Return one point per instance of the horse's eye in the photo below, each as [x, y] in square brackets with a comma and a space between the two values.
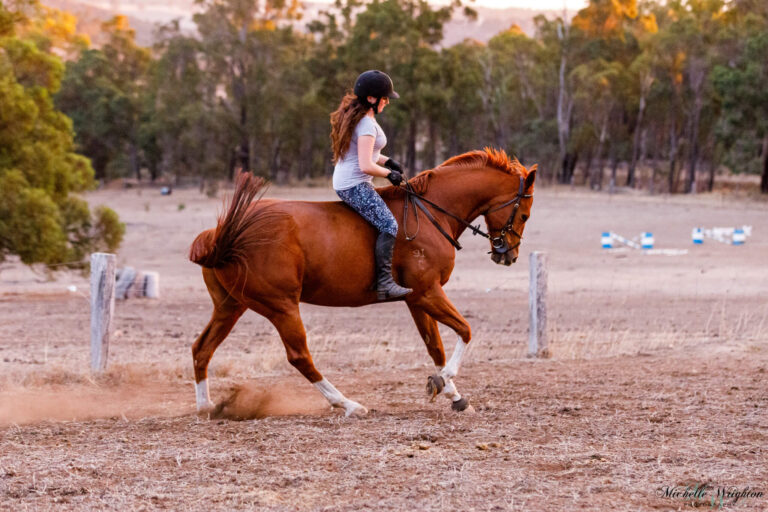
[525, 218]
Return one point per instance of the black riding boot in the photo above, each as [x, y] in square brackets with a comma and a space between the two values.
[386, 287]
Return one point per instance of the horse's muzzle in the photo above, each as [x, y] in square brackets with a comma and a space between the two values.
[505, 258]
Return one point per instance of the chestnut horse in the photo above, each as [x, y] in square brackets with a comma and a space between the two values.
[268, 255]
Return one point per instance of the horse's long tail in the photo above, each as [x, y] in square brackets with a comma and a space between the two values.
[216, 248]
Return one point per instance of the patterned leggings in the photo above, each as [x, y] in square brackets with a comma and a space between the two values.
[364, 199]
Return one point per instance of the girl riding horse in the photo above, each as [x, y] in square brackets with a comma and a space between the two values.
[357, 141]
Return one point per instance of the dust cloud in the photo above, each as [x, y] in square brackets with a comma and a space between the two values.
[252, 401]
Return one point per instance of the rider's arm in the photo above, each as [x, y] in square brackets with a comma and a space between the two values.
[365, 157]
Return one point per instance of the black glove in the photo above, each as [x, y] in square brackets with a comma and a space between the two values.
[395, 177]
[394, 165]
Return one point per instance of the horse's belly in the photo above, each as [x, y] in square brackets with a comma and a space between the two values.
[338, 248]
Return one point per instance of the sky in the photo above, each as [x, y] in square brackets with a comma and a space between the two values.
[573, 5]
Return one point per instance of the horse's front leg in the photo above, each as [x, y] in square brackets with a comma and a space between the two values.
[431, 308]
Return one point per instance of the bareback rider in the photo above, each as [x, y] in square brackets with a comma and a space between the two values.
[357, 141]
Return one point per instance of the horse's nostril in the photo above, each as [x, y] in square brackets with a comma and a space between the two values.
[514, 259]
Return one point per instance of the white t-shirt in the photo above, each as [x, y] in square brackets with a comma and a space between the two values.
[347, 172]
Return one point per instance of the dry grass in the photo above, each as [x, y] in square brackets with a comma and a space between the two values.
[657, 378]
[546, 436]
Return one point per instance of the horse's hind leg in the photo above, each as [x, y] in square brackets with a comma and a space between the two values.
[288, 323]
[226, 312]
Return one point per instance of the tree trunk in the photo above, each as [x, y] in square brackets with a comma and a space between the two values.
[643, 149]
[693, 156]
[453, 144]
[712, 169]
[672, 156]
[232, 164]
[563, 115]
[305, 158]
[697, 73]
[568, 166]
[588, 167]
[656, 159]
[764, 179]
[430, 151]
[243, 151]
[274, 164]
[410, 161]
[636, 143]
[154, 170]
[614, 168]
[133, 155]
[596, 182]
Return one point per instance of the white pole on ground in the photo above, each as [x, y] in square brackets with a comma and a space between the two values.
[152, 285]
[102, 307]
[537, 298]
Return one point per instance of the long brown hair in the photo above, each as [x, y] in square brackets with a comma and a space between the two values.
[343, 122]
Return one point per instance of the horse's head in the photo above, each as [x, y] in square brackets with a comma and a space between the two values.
[507, 214]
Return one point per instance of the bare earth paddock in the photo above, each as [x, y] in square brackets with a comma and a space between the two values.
[657, 380]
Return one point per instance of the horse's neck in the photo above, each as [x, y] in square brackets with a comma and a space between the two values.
[464, 192]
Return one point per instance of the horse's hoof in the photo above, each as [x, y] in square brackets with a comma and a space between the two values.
[435, 385]
[206, 409]
[461, 404]
[355, 411]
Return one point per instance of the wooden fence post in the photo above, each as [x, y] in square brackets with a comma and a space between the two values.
[102, 307]
[537, 298]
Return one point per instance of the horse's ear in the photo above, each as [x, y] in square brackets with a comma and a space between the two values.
[531, 177]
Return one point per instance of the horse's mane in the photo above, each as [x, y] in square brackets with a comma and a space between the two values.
[418, 182]
[489, 157]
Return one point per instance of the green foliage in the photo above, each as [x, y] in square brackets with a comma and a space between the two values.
[677, 84]
[102, 92]
[40, 220]
[30, 224]
[108, 230]
[742, 88]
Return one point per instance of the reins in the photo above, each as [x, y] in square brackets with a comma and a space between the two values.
[499, 243]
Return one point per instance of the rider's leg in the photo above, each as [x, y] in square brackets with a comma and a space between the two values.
[364, 199]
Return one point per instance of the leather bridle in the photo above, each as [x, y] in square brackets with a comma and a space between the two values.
[499, 243]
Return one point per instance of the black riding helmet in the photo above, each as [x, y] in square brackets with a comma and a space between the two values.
[374, 83]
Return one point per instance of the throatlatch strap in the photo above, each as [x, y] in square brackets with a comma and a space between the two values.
[454, 242]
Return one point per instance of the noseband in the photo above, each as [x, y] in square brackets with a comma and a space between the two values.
[498, 243]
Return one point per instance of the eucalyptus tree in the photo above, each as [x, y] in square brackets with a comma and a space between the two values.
[41, 220]
[522, 95]
[236, 62]
[740, 80]
[102, 91]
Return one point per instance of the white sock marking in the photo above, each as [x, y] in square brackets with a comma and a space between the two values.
[452, 368]
[202, 396]
[330, 393]
[336, 399]
[451, 392]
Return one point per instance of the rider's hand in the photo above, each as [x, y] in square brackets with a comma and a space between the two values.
[395, 177]
[394, 165]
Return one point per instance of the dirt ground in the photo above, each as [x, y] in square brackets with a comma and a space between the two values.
[657, 379]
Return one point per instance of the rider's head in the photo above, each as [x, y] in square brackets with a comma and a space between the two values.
[372, 91]
[372, 87]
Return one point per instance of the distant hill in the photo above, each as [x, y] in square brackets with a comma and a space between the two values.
[90, 15]
[145, 15]
[490, 22]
